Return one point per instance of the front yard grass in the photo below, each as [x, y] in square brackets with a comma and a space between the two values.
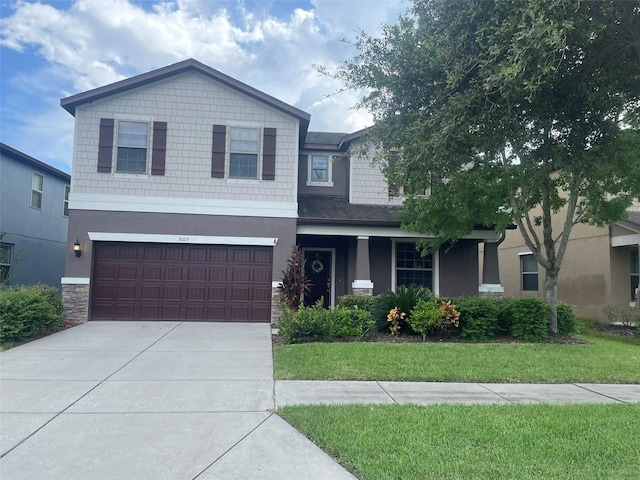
[605, 358]
[408, 442]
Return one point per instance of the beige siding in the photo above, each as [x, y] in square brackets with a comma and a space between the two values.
[190, 104]
[368, 184]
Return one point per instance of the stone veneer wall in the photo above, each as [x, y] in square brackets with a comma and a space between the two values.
[276, 305]
[363, 292]
[75, 299]
[491, 294]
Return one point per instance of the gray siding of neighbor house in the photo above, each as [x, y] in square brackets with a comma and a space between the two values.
[39, 236]
[340, 177]
[458, 269]
[83, 221]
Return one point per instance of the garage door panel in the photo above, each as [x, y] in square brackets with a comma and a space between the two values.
[181, 282]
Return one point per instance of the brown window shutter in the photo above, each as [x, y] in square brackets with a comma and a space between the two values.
[105, 145]
[217, 151]
[159, 149]
[269, 154]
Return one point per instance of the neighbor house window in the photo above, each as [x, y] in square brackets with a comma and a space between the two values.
[412, 267]
[635, 272]
[529, 269]
[243, 153]
[133, 139]
[6, 256]
[37, 185]
[65, 202]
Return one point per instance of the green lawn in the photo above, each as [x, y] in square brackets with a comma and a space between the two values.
[477, 442]
[605, 359]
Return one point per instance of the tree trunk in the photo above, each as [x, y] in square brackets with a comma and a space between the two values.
[551, 297]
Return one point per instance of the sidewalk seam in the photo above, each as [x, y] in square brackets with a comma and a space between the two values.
[601, 394]
[390, 396]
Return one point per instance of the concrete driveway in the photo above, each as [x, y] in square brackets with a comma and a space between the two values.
[149, 400]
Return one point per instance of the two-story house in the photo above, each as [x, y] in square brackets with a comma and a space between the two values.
[34, 209]
[190, 189]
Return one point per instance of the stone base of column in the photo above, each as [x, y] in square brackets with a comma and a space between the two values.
[75, 298]
[276, 304]
[491, 290]
[362, 288]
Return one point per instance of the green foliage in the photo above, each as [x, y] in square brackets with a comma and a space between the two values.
[478, 318]
[318, 323]
[567, 320]
[524, 318]
[294, 285]
[26, 312]
[425, 317]
[405, 298]
[363, 302]
[517, 105]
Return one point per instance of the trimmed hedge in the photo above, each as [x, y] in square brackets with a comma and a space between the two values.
[26, 312]
[317, 323]
[478, 318]
[524, 318]
[567, 320]
[363, 302]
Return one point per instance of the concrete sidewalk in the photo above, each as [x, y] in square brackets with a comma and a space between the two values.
[186, 401]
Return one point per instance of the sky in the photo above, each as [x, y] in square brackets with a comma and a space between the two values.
[53, 49]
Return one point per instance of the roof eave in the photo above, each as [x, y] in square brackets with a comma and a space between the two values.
[34, 162]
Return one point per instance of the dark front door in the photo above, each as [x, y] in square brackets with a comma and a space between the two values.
[317, 268]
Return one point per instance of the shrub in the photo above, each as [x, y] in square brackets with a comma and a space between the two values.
[524, 318]
[318, 323]
[363, 302]
[478, 318]
[425, 317]
[294, 285]
[567, 320]
[627, 316]
[405, 299]
[26, 312]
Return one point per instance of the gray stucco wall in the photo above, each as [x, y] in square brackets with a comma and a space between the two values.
[84, 221]
[458, 269]
[39, 236]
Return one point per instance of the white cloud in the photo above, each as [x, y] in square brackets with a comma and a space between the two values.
[88, 45]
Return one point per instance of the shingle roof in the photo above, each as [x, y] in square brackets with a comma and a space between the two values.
[338, 210]
[632, 221]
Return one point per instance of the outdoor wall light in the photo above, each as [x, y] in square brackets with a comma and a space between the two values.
[77, 249]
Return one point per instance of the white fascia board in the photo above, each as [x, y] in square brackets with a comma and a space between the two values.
[187, 239]
[364, 231]
[625, 240]
[202, 206]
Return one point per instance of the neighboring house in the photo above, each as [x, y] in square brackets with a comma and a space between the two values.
[600, 266]
[190, 190]
[34, 209]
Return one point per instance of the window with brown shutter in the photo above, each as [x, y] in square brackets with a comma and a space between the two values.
[218, 151]
[269, 154]
[159, 150]
[105, 145]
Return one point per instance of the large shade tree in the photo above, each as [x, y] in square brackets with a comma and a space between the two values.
[509, 111]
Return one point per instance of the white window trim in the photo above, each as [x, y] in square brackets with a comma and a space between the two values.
[41, 192]
[132, 118]
[66, 192]
[228, 152]
[435, 270]
[329, 182]
[333, 268]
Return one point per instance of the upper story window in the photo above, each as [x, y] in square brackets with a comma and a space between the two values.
[243, 156]
[529, 272]
[412, 267]
[65, 201]
[319, 168]
[635, 272]
[133, 140]
[37, 187]
[6, 257]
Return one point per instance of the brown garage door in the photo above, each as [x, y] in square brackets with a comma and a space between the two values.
[210, 283]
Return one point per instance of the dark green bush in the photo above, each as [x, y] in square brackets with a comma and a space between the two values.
[317, 323]
[478, 317]
[50, 293]
[524, 318]
[26, 312]
[567, 320]
[363, 302]
[405, 299]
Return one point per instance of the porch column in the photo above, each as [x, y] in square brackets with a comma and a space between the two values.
[491, 286]
[362, 285]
